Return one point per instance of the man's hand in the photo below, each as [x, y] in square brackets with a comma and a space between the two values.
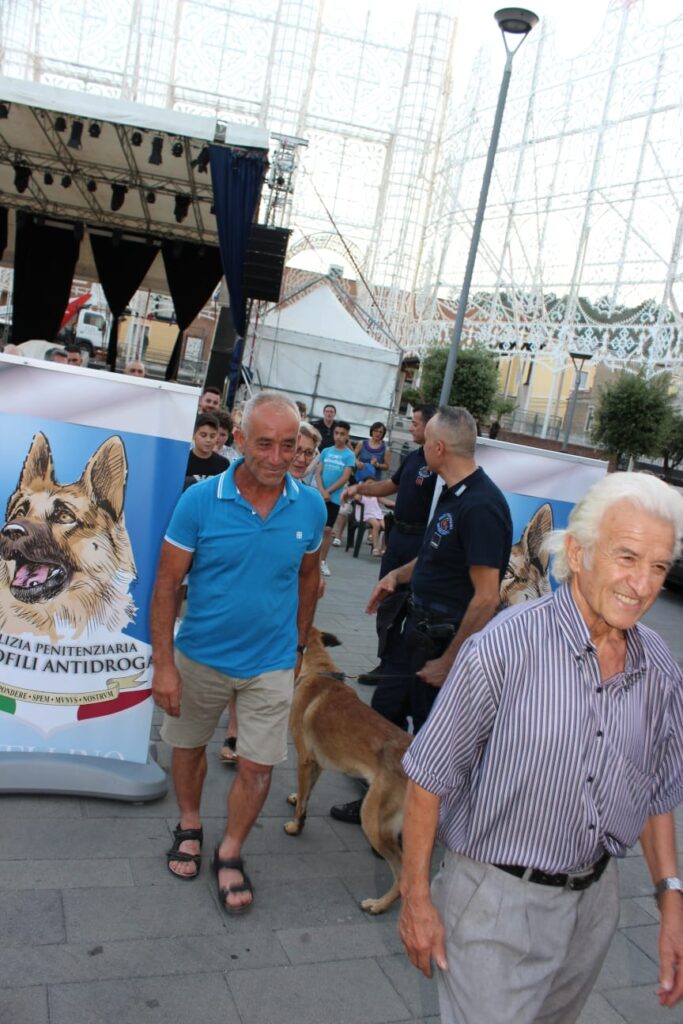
[422, 933]
[297, 666]
[670, 989]
[166, 689]
[387, 585]
[434, 672]
[349, 493]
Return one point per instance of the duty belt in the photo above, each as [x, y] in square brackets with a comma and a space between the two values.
[434, 611]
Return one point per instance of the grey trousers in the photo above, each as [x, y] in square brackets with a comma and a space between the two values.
[518, 952]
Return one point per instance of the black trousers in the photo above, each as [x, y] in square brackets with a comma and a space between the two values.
[400, 692]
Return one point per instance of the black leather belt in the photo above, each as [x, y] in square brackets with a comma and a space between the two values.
[575, 882]
[411, 528]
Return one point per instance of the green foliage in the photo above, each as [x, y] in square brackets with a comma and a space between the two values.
[672, 447]
[633, 416]
[474, 385]
[410, 396]
[502, 406]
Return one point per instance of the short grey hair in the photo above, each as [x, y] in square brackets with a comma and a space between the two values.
[267, 398]
[309, 431]
[458, 429]
[648, 492]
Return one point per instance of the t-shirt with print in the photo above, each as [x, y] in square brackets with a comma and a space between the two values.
[334, 461]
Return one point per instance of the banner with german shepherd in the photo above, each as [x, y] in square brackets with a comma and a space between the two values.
[84, 512]
[541, 488]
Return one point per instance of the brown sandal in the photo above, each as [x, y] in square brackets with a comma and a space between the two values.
[182, 835]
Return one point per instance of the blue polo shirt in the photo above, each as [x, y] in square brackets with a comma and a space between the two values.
[243, 592]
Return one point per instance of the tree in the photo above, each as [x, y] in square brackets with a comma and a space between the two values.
[502, 406]
[672, 448]
[633, 415]
[474, 385]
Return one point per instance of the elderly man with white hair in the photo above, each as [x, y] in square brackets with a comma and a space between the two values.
[556, 742]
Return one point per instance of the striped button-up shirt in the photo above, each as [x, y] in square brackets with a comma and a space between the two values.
[539, 762]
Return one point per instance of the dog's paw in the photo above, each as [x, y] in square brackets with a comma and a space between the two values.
[291, 799]
[291, 828]
[372, 906]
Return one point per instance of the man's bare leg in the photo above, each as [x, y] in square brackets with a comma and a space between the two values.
[188, 767]
[245, 800]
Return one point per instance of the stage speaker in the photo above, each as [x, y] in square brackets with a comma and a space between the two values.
[264, 262]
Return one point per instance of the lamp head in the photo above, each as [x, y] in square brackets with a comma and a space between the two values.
[516, 20]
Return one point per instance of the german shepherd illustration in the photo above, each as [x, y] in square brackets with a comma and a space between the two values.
[527, 572]
[66, 562]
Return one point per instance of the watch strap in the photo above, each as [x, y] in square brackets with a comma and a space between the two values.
[667, 885]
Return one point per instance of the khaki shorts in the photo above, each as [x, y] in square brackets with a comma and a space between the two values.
[263, 704]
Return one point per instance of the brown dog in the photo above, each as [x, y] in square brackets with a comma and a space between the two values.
[333, 728]
[66, 563]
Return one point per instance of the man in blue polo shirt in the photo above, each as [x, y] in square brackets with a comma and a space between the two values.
[250, 540]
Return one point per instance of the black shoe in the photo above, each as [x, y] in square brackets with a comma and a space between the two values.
[372, 677]
[350, 813]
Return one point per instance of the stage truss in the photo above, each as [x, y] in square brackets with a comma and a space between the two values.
[581, 243]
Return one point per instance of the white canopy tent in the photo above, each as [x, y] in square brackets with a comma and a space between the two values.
[316, 351]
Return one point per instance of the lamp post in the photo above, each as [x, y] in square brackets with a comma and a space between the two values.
[578, 359]
[512, 22]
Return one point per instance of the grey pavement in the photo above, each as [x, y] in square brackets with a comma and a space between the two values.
[94, 929]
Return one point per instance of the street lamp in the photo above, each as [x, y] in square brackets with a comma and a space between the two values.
[512, 22]
[578, 359]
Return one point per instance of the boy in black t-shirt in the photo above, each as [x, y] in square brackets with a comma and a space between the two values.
[203, 461]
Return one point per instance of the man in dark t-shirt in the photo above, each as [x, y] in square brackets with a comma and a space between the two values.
[326, 425]
[202, 461]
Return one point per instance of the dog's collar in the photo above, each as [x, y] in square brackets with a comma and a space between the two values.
[339, 676]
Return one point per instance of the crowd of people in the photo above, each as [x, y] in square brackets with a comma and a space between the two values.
[71, 354]
[547, 737]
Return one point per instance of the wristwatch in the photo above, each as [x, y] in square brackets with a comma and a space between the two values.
[301, 649]
[665, 885]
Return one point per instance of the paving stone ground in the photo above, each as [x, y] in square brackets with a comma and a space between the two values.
[94, 930]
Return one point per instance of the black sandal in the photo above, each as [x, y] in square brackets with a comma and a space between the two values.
[232, 864]
[181, 835]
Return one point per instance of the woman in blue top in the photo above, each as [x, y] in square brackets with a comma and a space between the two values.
[372, 455]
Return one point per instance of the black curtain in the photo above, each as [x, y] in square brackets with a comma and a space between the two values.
[236, 179]
[192, 272]
[122, 264]
[45, 257]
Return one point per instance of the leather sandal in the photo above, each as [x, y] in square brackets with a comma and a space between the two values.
[182, 835]
[232, 864]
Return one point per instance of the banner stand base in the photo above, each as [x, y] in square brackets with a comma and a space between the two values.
[75, 775]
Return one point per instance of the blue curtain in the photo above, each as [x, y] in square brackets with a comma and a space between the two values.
[236, 177]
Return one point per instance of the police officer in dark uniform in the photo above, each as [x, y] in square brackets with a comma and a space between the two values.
[455, 579]
[453, 582]
[413, 483]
